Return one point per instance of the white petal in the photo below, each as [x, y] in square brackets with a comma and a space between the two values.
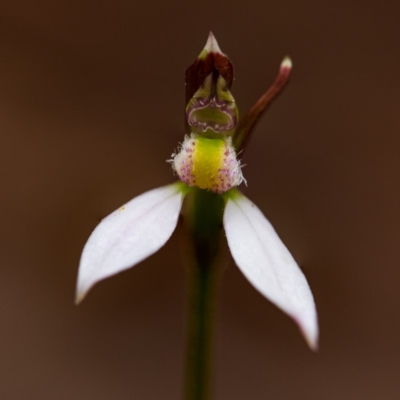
[129, 235]
[268, 265]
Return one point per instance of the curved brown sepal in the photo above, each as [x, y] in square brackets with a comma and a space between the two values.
[246, 125]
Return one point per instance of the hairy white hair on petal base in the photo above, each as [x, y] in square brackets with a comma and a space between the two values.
[208, 163]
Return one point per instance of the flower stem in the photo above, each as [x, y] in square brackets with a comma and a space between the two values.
[205, 227]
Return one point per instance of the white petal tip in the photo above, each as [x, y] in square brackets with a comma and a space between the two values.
[212, 44]
[78, 300]
[314, 346]
[79, 296]
[310, 333]
[312, 341]
[287, 63]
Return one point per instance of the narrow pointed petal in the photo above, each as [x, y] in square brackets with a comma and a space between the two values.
[129, 235]
[267, 264]
[248, 122]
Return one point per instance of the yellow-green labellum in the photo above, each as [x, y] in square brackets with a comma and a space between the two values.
[208, 164]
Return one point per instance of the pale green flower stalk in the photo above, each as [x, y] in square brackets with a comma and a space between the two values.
[209, 170]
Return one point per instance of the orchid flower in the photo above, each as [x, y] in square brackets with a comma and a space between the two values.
[207, 162]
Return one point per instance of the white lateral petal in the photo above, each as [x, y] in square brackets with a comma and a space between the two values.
[129, 235]
[268, 265]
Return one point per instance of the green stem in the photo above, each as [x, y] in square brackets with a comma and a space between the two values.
[204, 228]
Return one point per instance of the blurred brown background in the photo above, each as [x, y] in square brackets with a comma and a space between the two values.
[91, 104]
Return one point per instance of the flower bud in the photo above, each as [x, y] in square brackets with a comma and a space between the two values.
[208, 163]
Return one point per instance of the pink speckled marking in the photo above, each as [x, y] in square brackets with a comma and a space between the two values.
[183, 162]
